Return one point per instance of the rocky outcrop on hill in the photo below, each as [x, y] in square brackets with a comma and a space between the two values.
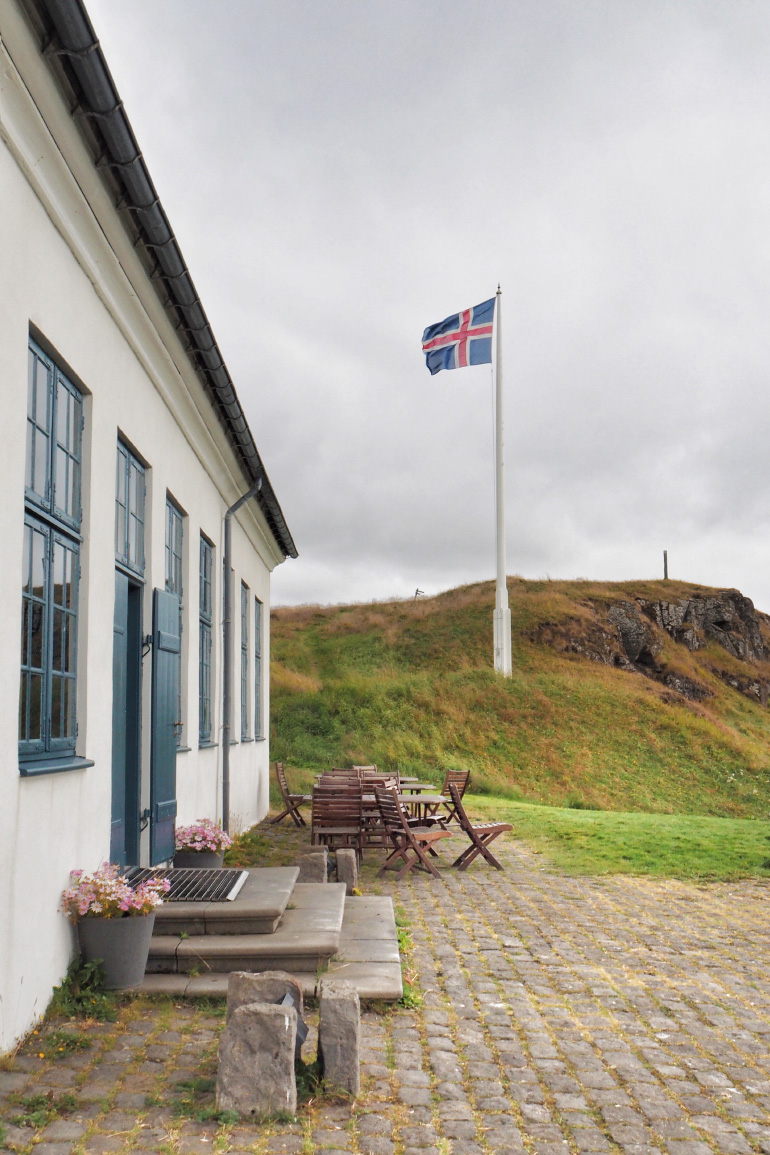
[729, 619]
[631, 634]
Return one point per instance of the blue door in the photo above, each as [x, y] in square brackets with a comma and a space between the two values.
[126, 721]
[166, 651]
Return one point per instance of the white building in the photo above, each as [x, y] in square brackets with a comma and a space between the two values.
[125, 445]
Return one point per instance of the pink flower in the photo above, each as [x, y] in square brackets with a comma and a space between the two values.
[202, 835]
[108, 893]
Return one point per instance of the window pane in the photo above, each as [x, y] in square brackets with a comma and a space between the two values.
[23, 701]
[62, 413]
[39, 463]
[36, 636]
[57, 726]
[72, 508]
[120, 477]
[69, 708]
[59, 638]
[75, 415]
[42, 415]
[35, 687]
[68, 592]
[120, 531]
[31, 366]
[30, 459]
[38, 564]
[69, 649]
[26, 617]
[59, 572]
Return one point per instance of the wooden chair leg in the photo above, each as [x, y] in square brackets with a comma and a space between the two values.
[481, 847]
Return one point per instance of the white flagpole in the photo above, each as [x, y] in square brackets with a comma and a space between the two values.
[502, 616]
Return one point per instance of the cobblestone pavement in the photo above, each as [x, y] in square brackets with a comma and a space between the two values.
[558, 1015]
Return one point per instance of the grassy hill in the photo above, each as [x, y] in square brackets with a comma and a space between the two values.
[411, 684]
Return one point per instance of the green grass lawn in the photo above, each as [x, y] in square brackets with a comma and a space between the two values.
[610, 842]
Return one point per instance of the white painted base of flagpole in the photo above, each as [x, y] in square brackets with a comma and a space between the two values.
[502, 639]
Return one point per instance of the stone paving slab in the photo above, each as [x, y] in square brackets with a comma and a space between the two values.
[259, 904]
[559, 1016]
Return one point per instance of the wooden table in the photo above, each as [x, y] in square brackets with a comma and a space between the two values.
[415, 787]
[423, 806]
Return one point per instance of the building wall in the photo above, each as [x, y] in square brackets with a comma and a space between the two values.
[69, 274]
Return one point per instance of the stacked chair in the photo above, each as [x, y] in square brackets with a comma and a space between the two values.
[336, 812]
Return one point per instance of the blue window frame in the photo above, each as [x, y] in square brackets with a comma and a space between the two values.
[258, 669]
[129, 510]
[54, 437]
[174, 544]
[51, 567]
[206, 572]
[244, 661]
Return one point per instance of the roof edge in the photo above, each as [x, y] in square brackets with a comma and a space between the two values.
[70, 46]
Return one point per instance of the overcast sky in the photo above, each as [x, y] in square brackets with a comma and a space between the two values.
[342, 173]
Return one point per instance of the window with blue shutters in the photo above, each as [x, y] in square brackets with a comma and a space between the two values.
[205, 576]
[50, 568]
[258, 669]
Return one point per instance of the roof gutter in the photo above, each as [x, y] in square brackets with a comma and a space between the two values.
[72, 38]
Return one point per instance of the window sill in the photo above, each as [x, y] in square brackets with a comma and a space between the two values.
[261, 738]
[183, 749]
[207, 745]
[34, 768]
[247, 739]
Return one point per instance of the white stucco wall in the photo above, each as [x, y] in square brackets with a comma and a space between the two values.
[68, 270]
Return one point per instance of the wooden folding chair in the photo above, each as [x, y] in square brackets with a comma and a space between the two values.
[292, 802]
[336, 816]
[480, 834]
[409, 842]
[461, 779]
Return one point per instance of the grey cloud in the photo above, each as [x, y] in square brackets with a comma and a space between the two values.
[341, 174]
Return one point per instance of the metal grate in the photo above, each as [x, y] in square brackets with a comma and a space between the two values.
[193, 885]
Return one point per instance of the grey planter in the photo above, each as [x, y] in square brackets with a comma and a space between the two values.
[198, 859]
[122, 944]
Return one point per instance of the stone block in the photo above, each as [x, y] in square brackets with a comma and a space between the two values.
[267, 987]
[347, 868]
[339, 1035]
[314, 867]
[256, 1061]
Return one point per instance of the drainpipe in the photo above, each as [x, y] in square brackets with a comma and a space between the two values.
[227, 679]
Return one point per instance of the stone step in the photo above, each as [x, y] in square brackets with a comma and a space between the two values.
[367, 957]
[257, 908]
[308, 936]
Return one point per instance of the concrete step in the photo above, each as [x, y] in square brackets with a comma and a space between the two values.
[257, 908]
[367, 957]
[308, 936]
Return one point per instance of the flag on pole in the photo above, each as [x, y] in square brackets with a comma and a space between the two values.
[463, 339]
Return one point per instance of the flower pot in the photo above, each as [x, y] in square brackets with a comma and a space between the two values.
[122, 944]
[199, 859]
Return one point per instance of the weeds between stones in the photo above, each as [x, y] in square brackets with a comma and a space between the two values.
[39, 1110]
[82, 994]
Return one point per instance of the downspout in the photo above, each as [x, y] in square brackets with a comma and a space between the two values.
[227, 653]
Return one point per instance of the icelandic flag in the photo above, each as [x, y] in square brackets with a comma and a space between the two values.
[462, 339]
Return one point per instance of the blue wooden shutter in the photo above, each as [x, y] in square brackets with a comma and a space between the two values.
[119, 721]
[165, 683]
